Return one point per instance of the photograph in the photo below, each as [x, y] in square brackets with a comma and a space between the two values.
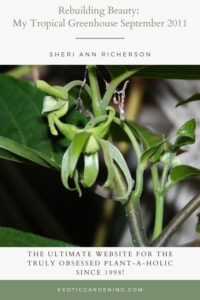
[99, 150]
[99, 156]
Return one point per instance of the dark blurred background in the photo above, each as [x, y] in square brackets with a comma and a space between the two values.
[33, 199]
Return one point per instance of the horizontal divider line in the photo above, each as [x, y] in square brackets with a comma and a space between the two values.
[100, 38]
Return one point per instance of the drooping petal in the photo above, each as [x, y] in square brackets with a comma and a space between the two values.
[65, 170]
[108, 161]
[51, 123]
[65, 174]
[75, 150]
[68, 130]
[119, 159]
[91, 169]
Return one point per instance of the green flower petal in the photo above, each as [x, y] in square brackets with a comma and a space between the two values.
[51, 122]
[51, 104]
[55, 91]
[68, 130]
[102, 129]
[75, 149]
[91, 169]
[119, 159]
[65, 174]
[65, 170]
[108, 161]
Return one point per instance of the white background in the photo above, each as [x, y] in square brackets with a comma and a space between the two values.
[167, 45]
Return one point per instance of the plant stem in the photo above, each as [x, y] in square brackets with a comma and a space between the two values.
[136, 194]
[164, 177]
[155, 178]
[177, 221]
[159, 192]
[132, 212]
[133, 103]
[75, 83]
[133, 206]
[159, 202]
[131, 136]
[95, 93]
[158, 216]
[135, 224]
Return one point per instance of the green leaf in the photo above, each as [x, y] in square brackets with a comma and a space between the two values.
[153, 154]
[22, 152]
[195, 97]
[145, 136]
[21, 121]
[153, 145]
[20, 117]
[185, 135]
[15, 238]
[10, 156]
[182, 172]
[163, 72]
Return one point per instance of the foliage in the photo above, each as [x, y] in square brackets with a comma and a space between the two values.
[76, 128]
[15, 238]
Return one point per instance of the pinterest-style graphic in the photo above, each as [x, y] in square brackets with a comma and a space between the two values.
[99, 149]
